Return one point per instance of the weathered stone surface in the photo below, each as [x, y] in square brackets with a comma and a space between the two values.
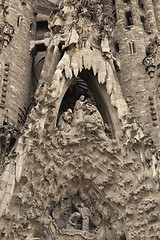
[85, 162]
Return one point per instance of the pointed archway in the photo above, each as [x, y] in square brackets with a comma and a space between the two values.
[98, 94]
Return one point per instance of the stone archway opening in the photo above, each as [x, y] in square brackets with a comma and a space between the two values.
[87, 85]
[77, 88]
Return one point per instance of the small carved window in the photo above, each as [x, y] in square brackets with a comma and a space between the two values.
[116, 45]
[41, 29]
[19, 20]
[132, 47]
[123, 237]
[115, 15]
[31, 26]
[129, 18]
[142, 19]
[140, 2]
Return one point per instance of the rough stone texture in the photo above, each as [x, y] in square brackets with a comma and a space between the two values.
[85, 162]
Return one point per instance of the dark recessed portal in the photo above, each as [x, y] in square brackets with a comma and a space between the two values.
[129, 18]
[79, 88]
[76, 89]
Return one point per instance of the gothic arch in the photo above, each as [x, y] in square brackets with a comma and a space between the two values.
[102, 99]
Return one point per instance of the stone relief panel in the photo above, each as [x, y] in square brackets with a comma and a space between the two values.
[84, 113]
[73, 217]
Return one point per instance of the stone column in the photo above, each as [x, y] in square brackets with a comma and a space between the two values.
[120, 13]
[135, 13]
[108, 7]
[2, 20]
[157, 13]
[16, 62]
[150, 16]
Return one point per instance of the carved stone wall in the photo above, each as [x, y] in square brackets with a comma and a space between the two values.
[91, 170]
[16, 61]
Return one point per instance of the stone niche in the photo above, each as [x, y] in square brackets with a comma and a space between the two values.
[74, 216]
[83, 215]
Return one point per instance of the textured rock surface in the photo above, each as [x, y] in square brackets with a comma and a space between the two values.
[85, 164]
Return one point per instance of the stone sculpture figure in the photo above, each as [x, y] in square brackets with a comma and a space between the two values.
[65, 121]
[85, 213]
[78, 113]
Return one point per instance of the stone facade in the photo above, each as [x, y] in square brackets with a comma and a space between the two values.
[79, 120]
